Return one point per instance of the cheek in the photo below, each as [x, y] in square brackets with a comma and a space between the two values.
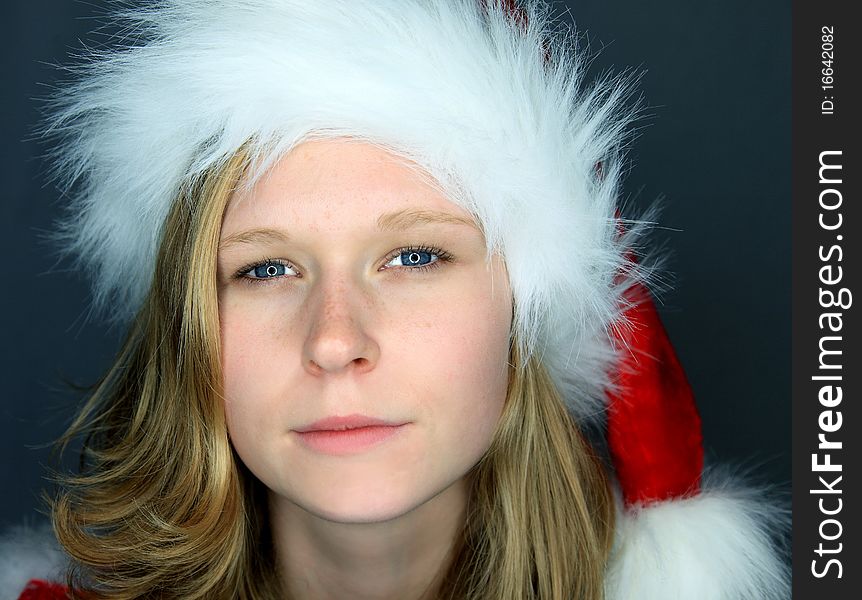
[251, 383]
[467, 354]
[237, 358]
[252, 344]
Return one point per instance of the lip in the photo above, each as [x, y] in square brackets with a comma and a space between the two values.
[348, 441]
[348, 422]
[339, 436]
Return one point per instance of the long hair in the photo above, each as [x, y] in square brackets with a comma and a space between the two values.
[163, 507]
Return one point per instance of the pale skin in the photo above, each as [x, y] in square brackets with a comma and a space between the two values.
[345, 326]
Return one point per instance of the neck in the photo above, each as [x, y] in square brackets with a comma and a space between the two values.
[400, 559]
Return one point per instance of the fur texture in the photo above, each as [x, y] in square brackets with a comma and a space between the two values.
[719, 545]
[26, 553]
[493, 108]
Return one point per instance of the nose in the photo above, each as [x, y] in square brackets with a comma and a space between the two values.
[338, 341]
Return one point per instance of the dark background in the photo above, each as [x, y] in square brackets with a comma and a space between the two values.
[715, 145]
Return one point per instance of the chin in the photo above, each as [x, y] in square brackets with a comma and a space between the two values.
[363, 506]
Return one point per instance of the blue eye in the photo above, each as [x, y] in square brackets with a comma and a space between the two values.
[266, 270]
[414, 258]
[418, 259]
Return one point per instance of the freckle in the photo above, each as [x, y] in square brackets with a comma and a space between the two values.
[329, 307]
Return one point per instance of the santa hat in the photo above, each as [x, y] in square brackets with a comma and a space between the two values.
[491, 102]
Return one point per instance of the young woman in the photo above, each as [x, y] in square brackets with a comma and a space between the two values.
[377, 290]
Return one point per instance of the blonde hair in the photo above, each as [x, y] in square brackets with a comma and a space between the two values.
[164, 508]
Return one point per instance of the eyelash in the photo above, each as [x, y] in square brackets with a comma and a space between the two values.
[442, 257]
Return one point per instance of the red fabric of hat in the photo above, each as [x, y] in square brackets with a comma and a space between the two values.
[654, 429]
[38, 589]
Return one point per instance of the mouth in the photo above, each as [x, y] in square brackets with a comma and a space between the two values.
[346, 423]
[352, 440]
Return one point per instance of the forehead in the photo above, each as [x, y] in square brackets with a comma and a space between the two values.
[338, 184]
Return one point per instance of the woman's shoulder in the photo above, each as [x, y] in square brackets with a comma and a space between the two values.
[30, 562]
[719, 544]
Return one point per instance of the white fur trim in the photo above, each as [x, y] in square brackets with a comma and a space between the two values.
[28, 553]
[719, 545]
[508, 136]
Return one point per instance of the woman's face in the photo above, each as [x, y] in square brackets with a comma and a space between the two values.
[326, 311]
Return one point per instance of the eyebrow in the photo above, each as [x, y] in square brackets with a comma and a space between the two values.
[399, 220]
[262, 235]
[410, 217]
